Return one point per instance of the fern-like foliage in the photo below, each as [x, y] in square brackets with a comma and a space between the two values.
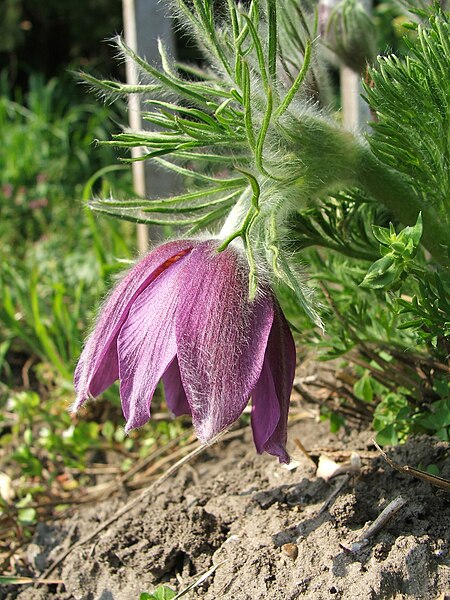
[341, 223]
[411, 98]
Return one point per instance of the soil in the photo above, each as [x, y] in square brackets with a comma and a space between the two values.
[266, 527]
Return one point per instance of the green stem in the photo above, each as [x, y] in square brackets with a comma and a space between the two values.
[332, 158]
[391, 189]
[241, 232]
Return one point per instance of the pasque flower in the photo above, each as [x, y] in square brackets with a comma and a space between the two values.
[182, 314]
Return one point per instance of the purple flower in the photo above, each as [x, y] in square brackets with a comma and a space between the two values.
[182, 314]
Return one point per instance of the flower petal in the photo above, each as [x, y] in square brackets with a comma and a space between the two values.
[146, 344]
[97, 368]
[265, 409]
[175, 394]
[280, 358]
[221, 337]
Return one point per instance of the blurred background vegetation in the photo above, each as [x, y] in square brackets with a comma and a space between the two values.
[57, 260]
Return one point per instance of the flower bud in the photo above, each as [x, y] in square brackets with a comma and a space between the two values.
[348, 31]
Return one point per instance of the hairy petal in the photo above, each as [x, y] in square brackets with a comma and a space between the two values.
[175, 394]
[221, 337]
[280, 357]
[97, 368]
[146, 344]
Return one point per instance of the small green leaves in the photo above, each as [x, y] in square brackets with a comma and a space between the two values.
[161, 593]
[382, 234]
[395, 418]
[363, 388]
[398, 251]
[336, 420]
[438, 419]
[26, 514]
[382, 273]
[392, 419]
[387, 436]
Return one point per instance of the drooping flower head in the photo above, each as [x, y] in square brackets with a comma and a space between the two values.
[183, 315]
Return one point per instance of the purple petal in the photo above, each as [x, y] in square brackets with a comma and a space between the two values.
[265, 409]
[97, 368]
[175, 394]
[146, 344]
[269, 435]
[221, 337]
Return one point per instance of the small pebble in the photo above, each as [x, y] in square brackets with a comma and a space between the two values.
[290, 550]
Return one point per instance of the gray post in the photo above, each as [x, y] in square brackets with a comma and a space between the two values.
[355, 112]
[144, 22]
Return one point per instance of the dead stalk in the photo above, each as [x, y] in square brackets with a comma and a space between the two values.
[383, 518]
[439, 482]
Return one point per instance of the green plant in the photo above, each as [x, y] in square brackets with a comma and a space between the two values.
[161, 593]
[45, 158]
[291, 180]
[41, 440]
[47, 298]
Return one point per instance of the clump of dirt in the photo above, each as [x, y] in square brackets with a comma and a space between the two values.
[267, 528]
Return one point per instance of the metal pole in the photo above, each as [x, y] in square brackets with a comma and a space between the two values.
[355, 112]
[145, 22]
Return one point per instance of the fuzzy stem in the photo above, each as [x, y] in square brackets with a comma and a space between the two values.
[235, 217]
[331, 158]
[389, 188]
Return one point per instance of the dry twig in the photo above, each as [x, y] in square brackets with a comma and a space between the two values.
[334, 493]
[439, 482]
[383, 518]
[305, 452]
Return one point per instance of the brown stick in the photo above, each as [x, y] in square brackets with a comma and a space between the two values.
[439, 482]
[383, 518]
